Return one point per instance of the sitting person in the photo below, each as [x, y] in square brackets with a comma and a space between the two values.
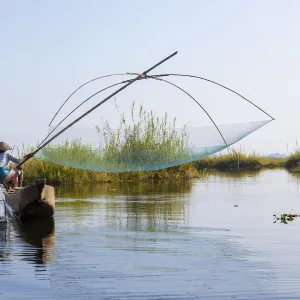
[10, 175]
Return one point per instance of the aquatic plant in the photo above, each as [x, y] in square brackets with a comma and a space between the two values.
[57, 174]
[293, 162]
[238, 160]
[285, 218]
[146, 143]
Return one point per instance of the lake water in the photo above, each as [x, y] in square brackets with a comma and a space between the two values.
[207, 239]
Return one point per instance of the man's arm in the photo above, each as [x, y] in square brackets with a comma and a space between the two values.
[14, 159]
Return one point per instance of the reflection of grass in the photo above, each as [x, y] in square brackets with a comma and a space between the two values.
[237, 160]
[131, 206]
[235, 174]
[120, 189]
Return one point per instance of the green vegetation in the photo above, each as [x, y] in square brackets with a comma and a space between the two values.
[237, 160]
[285, 218]
[57, 174]
[293, 162]
[225, 163]
[148, 143]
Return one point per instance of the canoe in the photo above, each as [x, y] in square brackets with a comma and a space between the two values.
[36, 201]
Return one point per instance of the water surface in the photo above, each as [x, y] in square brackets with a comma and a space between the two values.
[207, 239]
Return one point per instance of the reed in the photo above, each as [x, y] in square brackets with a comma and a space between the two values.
[57, 174]
[293, 162]
[146, 143]
[147, 140]
[238, 160]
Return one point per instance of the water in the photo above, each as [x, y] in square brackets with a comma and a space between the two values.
[207, 239]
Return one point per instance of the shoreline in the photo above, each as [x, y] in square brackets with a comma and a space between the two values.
[58, 175]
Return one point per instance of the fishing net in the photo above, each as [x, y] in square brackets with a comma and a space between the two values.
[150, 144]
[161, 132]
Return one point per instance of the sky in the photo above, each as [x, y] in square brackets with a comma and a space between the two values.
[49, 48]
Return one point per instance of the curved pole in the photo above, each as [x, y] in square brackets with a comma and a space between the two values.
[161, 75]
[108, 87]
[178, 87]
[214, 82]
[97, 105]
[94, 79]
[143, 76]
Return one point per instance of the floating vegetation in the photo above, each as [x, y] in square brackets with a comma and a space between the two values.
[285, 218]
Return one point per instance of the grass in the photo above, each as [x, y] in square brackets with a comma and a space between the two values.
[237, 160]
[57, 174]
[147, 143]
[233, 162]
[293, 162]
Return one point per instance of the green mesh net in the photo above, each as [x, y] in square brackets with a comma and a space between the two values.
[150, 143]
[143, 140]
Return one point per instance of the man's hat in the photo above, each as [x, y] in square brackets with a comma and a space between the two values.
[4, 146]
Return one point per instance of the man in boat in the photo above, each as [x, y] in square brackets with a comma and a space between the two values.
[10, 175]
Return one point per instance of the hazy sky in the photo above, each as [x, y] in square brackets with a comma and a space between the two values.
[48, 48]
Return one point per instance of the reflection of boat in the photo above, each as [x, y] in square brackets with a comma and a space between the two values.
[32, 202]
[37, 240]
[40, 234]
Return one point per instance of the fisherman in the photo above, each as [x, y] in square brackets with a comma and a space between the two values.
[10, 175]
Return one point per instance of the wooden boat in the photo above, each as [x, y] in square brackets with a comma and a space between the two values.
[32, 202]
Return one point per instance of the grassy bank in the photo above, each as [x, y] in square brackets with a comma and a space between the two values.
[293, 162]
[147, 142]
[237, 160]
[233, 162]
[56, 174]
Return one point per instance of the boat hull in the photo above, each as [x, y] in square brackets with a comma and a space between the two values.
[36, 201]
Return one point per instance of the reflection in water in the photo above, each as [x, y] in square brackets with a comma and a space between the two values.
[295, 176]
[117, 189]
[39, 235]
[237, 174]
[212, 240]
[146, 214]
[149, 207]
[4, 253]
